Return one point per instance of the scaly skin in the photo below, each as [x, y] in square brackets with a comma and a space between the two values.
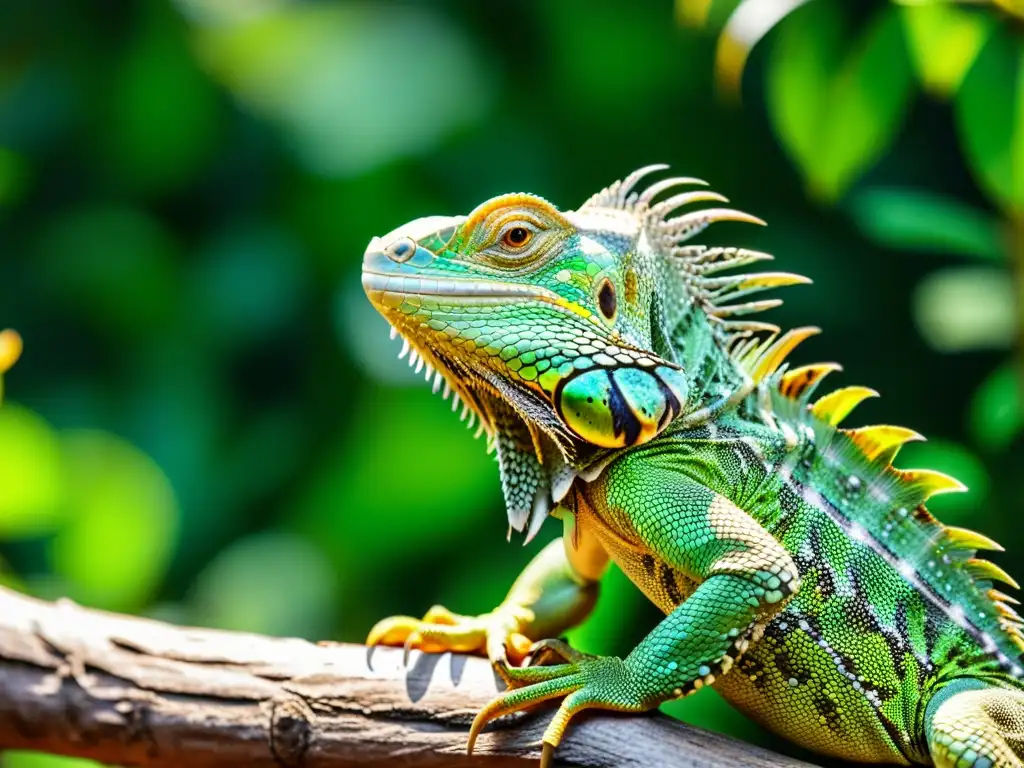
[799, 572]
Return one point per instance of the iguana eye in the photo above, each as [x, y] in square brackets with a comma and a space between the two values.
[516, 237]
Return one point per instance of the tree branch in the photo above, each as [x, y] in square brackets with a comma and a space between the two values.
[138, 692]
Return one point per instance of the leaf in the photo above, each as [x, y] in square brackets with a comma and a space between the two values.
[116, 266]
[238, 591]
[924, 221]
[997, 414]
[693, 13]
[14, 177]
[835, 114]
[121, 523]
[10, 351]
[990, 120]
[747, 25]
[161, 116]
[966, 308]
[382, 493]
[32, 484]
[803, 57]
[10, 580]
[325, 74]
[944, 42]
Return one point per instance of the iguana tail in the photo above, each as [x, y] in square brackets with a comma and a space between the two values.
[972, 723]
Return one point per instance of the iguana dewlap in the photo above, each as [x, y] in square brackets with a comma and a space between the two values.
[614, 367]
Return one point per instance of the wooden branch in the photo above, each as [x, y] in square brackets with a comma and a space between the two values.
[138, 692]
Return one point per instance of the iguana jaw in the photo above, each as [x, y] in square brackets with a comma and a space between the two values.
[406, 292]
[391, 290]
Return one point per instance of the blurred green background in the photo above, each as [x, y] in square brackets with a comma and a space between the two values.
[209, 425]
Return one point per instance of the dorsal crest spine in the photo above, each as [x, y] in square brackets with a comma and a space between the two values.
[760, 352]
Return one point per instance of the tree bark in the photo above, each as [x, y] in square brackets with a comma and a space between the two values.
[131, 691]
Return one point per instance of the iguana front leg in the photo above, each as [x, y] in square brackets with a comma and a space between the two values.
[555, 592]
[745, 577]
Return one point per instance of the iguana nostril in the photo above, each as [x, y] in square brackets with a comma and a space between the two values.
[401, 250]
[606, 299]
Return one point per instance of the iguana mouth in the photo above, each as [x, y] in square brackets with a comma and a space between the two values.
[378, 284]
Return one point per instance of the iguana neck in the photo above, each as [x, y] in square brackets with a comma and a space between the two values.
[711, 373]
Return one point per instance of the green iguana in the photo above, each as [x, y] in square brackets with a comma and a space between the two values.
[613, 367]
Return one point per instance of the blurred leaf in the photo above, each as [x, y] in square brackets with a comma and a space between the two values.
[943, 41]
[32, 486]
[748, 24]
[918, 220]
[619, 605]
[250, 281]
[1015, 7]
[966, 308]
[115, 265]
[121, 524]
[957, 461]
[13, 176]
[799, 72]
[705, 13]
[353, 85]
[693, 13]
[226, 11]
[10, 350]
[402, 478]
[996, 412]
[161, 117]
[836, 116]
[9, 580]
[273, 583]
[643, 70]
[990, 118]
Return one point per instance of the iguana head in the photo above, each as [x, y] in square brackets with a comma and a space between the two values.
[557, 325]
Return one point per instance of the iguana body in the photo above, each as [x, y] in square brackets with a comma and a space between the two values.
[799, 572]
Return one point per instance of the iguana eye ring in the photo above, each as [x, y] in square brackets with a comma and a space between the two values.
[516, 237]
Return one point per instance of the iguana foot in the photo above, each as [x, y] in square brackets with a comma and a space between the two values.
[495, 634]
[585, 682]
[978, 727]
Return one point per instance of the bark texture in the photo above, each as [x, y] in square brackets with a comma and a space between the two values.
[132, 691]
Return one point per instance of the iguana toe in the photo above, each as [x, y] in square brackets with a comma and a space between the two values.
[593, 682]
[440, 630]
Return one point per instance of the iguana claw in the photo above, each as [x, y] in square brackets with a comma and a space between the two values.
[491, 634]
[591, 682]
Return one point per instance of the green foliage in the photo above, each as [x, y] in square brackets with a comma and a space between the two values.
[115, 264]
[966, 308]
[997, 412]
[118, 533]
[917, 220]
[837, 107]
[944, 41]
[149, 141]
[31, 475]
[333, 78]
[990, 116]
[967, 57]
